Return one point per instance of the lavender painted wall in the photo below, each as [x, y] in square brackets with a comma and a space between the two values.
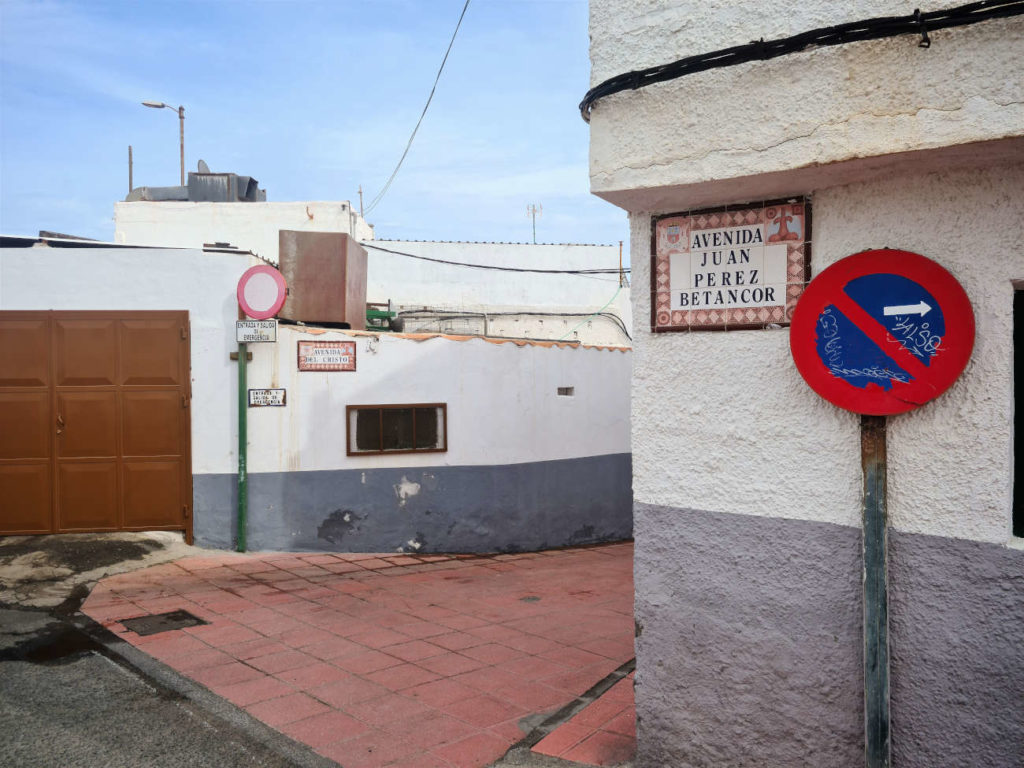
[956, 612]
[749, 647]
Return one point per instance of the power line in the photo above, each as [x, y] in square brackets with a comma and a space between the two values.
[377, 199]
[583, 272]
[758, 50]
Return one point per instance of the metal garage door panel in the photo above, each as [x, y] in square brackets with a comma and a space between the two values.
[68, 383]
[25, 424]
[152, 423]
[87, 496]
[152, 494]
[25, 505]
[149, 351]
[24, 352]
[86, 352]
[87, 424]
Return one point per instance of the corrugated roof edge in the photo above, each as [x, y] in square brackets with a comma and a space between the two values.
[315, 331]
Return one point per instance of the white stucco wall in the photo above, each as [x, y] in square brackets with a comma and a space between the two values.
[503, 406]
[502, 401]
[765, 444]
[249, 226]
[148, 279]
[691, 139]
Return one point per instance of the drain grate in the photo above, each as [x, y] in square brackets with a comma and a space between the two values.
[530, 599]
[162, 622]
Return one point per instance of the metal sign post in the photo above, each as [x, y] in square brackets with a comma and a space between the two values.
[877, 333]
[261, 293]
[243, 444]
[876, 593]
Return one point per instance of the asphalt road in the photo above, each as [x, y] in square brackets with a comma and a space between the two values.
[67, 701]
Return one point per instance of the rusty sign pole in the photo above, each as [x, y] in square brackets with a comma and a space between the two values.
[876, 600]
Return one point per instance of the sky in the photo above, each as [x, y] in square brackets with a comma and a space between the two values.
[311, 97]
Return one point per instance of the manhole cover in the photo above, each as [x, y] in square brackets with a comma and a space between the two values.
[162, 622]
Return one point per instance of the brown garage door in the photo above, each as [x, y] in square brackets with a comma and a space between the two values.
[94, 422]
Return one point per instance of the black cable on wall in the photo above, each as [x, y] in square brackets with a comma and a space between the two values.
[916, 23]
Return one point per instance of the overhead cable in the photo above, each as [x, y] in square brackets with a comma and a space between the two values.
[916, 23]
[387, 185]
[609, 271]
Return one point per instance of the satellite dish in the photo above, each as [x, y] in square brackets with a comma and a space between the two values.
[203, 167]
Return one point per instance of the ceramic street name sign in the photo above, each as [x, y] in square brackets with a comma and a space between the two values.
[327, 355]
[729, 268]
[882, 332]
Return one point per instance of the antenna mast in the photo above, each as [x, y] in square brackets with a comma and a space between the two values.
[532, 211]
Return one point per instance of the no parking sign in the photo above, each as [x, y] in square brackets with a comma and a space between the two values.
[882, 332]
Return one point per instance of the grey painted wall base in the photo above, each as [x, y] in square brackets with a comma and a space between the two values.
[956, 613]
[749, 651]
[504, 508]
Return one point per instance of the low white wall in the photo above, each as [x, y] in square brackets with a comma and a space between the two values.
[503, 406]
[149, 279]
[249, 226]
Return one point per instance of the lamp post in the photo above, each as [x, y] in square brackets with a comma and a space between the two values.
[181, 129]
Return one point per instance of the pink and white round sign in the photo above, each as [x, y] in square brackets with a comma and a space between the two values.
[261, 292]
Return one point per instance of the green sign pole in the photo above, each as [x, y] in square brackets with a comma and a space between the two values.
[243, 441]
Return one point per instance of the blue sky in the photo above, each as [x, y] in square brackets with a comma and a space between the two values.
[312, 98]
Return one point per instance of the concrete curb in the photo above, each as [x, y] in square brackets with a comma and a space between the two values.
[167, 679]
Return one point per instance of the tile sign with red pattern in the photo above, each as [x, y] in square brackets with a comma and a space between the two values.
[327, 355]
[736, 267]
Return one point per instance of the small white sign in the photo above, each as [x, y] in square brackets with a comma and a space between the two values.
[254, 331]
[259, 398]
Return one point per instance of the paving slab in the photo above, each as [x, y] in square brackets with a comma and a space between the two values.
[401, 661]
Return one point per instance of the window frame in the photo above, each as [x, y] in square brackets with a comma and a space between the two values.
[394, 407]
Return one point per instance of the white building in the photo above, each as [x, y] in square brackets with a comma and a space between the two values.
[521, 445]
[251, 226]
[518, 290]
[748, 486]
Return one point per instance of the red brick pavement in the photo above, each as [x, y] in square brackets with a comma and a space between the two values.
[398, 660]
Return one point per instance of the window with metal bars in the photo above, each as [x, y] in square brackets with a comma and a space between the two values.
[401, 428]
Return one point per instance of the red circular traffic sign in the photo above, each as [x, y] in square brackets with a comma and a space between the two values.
[261, 292]
[882, 332]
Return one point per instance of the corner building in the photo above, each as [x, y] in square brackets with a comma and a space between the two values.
[747, 485]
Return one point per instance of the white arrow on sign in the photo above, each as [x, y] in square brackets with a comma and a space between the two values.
[921, 308]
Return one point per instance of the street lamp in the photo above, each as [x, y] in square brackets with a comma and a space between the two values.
[181, 129]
